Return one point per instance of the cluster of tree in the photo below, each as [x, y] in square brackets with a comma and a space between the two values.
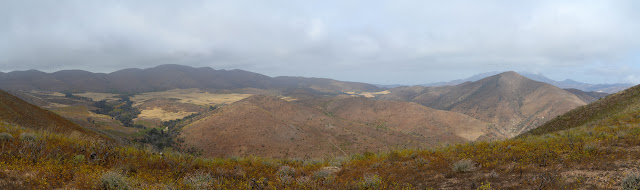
[70, 95]
[168, 135]
[121, 110]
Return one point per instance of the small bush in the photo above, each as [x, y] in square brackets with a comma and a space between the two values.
[303, 181]
[78, 159]
[590, 147]
[286, 171]
[464, 165]
[113, 180]
[632, 181]
[421, 161]
[286, 180]
[27, 137]
[321, 174]
[6, 136]
[198, 181]
[370, 181]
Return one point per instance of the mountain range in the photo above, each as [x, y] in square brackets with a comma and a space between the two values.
[165, 77]
[309, 117]
[565, 84]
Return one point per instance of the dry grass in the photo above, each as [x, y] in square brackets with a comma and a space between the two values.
[97, 96]
[159, 113]
[47, 93]
[368, 94]
[190, 96]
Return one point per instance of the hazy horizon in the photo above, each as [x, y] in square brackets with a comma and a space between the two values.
[383, 42]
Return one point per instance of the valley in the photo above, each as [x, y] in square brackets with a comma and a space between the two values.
[505, 124]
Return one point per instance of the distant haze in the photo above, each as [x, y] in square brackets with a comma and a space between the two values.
[380, 42]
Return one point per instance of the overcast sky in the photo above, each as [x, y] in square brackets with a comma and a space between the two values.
[383, 42]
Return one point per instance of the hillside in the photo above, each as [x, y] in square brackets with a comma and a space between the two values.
[587, 97]
[622, 104]
[565, 84]
[16, 111]
[512, 102]
[165, 77]
[272, 127]
[602, 156]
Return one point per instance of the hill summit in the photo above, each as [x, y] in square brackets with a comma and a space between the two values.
[514, 103]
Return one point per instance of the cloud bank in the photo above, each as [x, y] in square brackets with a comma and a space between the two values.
[408, 42]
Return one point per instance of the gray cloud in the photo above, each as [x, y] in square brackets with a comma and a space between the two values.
[379, 42]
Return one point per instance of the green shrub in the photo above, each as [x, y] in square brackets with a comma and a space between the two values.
[590, 147]
[631, 182]
[28, 137]
[113, 180]
[321, 174]
[420, 161]
[370, 181]
[286, 171]
[6, 136]
[464, 165]
[78, 159]
[198, 181]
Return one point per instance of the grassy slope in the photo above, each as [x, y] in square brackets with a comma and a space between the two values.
[14, 110]
[620, 103]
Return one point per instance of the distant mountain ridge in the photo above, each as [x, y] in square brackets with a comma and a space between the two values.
[567, 83]
[165, 77]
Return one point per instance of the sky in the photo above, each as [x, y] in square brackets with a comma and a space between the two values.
[380, 42]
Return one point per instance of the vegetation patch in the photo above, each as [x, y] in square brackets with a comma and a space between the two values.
[191, 96]
[159, 113]
[121, 110]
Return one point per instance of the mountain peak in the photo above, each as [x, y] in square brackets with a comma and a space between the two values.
[510, 74]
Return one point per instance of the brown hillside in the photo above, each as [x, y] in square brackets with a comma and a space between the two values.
[14, 110]
[268, 126]
[272, 127]
[515, 104]
[411, 118]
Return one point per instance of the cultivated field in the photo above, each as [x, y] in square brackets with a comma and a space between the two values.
[97, 96]
[369, 94]
[190, 96]
[159, 113]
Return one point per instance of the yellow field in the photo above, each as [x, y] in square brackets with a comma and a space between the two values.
[97, 96]
[49, 93]
[191, 96]
[369, 94]
[288, 99]
[159, 113]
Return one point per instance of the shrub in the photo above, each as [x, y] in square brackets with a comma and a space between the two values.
[27, 137]
[6, 136]
[590, 147]
[286, 180]
[198, 181]
[78, 159]
[464, 165]
[370, 181]
[286, 171]
[303, 181]
[632, 181]
[321, 174]
[421, 161]
[113, 180]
